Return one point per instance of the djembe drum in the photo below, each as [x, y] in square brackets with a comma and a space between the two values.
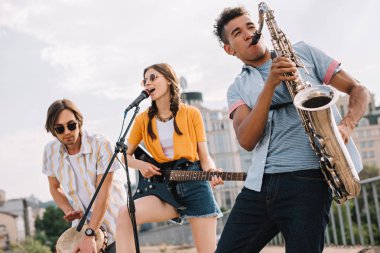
[70, 238]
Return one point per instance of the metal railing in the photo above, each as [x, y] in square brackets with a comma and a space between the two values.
[357, 222]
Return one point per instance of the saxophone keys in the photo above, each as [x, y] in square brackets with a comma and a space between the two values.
[328, 161]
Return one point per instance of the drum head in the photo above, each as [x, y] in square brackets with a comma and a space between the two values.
[70, 239]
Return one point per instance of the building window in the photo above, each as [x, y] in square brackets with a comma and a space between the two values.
[367, 144]
[360, 133]
[368, 154]
[363, 122]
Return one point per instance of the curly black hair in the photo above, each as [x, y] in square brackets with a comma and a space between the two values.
[226, 16]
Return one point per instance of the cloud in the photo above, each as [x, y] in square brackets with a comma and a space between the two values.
[100, 49]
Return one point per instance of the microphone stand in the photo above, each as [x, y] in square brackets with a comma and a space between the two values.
[121, 147]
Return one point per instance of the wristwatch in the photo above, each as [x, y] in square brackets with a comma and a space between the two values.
[89, 232]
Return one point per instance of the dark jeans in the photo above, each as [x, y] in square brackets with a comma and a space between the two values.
[297, 204]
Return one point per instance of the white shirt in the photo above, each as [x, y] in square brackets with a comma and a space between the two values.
[91, 161]
[165, 135]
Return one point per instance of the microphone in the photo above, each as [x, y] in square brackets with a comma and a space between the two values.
[144, 94]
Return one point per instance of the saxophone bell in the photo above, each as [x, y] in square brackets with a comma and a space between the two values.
[336, 163]
[315, 98]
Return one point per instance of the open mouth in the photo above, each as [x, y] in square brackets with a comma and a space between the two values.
[151, 90]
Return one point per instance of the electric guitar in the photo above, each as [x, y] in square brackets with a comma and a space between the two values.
[164, 186]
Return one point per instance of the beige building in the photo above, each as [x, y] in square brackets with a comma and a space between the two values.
[9, 229]
[16, 219]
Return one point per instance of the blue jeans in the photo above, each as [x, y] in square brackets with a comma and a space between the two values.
[197, 197]
[297, 204]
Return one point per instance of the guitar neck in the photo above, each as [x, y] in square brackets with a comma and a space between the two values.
[182, 175]
[179, 175]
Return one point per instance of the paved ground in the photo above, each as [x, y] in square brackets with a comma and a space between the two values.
[272, 249]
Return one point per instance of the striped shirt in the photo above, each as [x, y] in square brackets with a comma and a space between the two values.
[284, 146]
[92, 160]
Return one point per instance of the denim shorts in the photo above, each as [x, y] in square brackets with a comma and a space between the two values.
[197, 197]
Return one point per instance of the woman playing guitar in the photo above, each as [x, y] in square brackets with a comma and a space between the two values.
[171, 131]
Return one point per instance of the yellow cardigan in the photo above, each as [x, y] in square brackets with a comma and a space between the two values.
[189, 122]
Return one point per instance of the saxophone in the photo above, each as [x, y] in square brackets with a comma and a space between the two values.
[313, 104]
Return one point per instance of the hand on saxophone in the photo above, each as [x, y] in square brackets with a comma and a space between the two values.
[345, 128]
[280, 67]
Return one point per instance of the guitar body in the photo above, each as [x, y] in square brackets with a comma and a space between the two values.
[164, 186]
[159, 187]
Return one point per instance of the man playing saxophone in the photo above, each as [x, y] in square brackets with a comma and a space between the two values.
[285, 190]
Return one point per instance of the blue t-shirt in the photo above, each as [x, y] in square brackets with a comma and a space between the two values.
[284, 146]
[289, 147]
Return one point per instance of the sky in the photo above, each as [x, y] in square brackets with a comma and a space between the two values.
[93, 52]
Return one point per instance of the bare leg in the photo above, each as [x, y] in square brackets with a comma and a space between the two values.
[148, 209]
[204, 234]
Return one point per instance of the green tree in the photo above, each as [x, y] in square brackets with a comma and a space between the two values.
[51, 226]
[368, 172]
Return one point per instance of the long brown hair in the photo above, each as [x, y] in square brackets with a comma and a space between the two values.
[167, 71]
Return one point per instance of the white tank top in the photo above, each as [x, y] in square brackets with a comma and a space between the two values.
[165, 133]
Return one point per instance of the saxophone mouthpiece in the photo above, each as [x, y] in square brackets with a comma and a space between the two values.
[256, 37]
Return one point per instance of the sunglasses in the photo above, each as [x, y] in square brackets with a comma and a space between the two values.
[70, 126]
[151, 78]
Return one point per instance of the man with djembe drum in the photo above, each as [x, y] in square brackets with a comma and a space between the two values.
[75, 163]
